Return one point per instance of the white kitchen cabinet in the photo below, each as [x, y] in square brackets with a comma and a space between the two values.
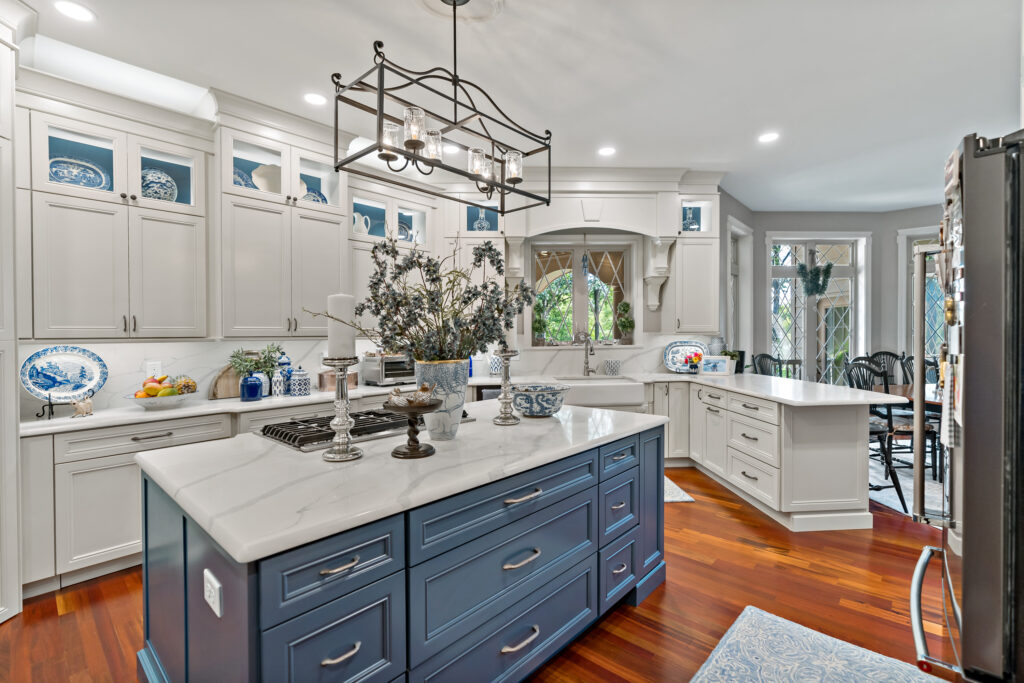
[23, 255]
[7, 237]
[167, 274]
[696, 436]
[462, 248]
[715, 440]
[379, 212]
[698, 215]
[679, 416]
[36, 488]
[87, 161]
[97, 511]
[277, 261]
[362, 269]
[165, 176]
[80, 267]
[697, 285]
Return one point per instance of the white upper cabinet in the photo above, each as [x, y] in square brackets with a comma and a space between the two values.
[316, 184]
[166, 177]
[80, 275]
[80, 159]
[698, 215]
[317, 252]
[167, 273]
[695, 274]
[376, 215]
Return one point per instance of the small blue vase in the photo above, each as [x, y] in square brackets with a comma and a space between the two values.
[250, 388]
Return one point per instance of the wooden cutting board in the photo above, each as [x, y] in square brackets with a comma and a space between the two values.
[225, 384]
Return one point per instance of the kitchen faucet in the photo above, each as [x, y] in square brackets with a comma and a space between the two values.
[588, 351]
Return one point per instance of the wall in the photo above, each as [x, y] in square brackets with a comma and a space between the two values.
[884, 266]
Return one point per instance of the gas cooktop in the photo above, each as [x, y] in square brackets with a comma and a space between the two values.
[315, 433]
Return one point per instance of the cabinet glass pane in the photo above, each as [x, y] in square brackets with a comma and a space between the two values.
[80, 159]
[481, 220]
[696, 217]
[318, 183]
[369, 217]
[255, 167]
[167, 177]
[412, 225]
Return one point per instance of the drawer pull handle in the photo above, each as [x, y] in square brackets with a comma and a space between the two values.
[712, 410]
[517, 565]
[714, 396]
[748, 476]
[619, 506]
[622, 456]
[348, 655]
[529, 496]
[750, 407]
[153, 436]
[621, 568]
[508, 649]
[348, 565]
[748, 436]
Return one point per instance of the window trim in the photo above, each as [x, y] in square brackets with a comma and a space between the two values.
[904, 237]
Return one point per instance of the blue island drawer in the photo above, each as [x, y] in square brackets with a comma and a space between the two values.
[360, 636]
[446, 524]
[619, 499]
[617, 567]
[453, 594]
[522, 637]
[298, 580]
[619, 456]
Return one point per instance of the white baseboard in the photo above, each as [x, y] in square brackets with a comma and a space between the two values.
[30, 590]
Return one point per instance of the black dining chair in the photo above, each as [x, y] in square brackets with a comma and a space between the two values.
[793, 368]
[765, 364]
[888, 361]
[931, 376]
[881, 424]
[931, 370]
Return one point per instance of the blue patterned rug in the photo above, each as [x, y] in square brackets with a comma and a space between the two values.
[763, 647]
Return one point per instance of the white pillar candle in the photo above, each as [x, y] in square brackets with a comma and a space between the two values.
[341, 338]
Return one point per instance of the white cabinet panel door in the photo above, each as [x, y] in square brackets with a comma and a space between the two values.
[7, 238]
[715, 440]
[257, 267]
[10, 590]
[679, 419]
[23, 257]
[80, 258]
[98, 511]
[36, 477]
[318, 242]
[167, 274]
[362, 268]
[697, 286]
[697, 441]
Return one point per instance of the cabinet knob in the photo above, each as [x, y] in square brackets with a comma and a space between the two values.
[133, 197]
[288, 198]
[124, 195]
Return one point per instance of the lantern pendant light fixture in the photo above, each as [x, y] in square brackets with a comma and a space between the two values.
[409, 132]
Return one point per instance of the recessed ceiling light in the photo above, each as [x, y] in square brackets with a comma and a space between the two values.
[771, 136]
[451, 149]
[606, 151]
[315, 98]
[74, 10]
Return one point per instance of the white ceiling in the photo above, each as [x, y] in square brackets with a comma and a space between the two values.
[869, 96]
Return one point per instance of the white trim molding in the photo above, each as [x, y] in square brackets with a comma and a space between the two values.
[903, 237]
[657, 266]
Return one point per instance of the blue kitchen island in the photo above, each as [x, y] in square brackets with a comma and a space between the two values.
[263, 563]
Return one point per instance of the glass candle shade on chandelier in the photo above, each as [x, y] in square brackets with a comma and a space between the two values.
[411, 133]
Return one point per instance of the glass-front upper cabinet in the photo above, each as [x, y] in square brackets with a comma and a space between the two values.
[481, 222]
[375, 216]
[698, 216]
[255, 167]
[317, 185]
[78, 158]
[412, 225]
[166, 177]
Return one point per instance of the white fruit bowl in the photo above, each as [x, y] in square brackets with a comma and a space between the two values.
[160, 402]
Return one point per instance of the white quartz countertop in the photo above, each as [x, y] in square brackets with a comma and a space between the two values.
[257, 498]
[192, 407]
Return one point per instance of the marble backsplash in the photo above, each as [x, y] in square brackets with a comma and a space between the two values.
[203, 359]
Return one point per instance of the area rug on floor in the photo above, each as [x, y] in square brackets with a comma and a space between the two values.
[674, 494]
[763, 647]
[888, 497]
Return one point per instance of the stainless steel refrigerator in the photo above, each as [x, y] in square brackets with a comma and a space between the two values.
[978, 264]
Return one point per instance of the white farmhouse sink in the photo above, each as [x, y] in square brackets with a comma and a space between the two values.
[596, 391]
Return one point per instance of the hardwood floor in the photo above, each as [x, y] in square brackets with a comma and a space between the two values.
[722, 556]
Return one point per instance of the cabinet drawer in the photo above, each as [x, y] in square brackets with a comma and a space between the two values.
[447, 524]
[360, 636]
[755, 438]
[523, 636]
[455, 593]
[754, 477]
[714, 397]
[619, 456]
[618, 566]
[95, 443]
[254, 421]
[757, 408]
[619, 498]
[296, 581]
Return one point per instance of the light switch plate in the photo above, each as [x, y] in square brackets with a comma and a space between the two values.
[154, 368]
[213, 593]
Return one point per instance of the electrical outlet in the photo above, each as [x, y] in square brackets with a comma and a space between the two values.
[213, 593]
[153, 368]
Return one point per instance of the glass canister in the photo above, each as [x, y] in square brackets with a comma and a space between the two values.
[300, 382]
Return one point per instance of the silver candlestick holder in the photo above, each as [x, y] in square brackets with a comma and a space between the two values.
[505, 417]
[341, 449]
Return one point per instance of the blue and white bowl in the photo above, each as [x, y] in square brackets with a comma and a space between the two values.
[538, 400]
[157, 184]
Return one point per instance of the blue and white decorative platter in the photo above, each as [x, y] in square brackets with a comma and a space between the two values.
[71, 171]
[157, 184]
[63, 373]
[242, 179]
[677, 351]
[314, 196]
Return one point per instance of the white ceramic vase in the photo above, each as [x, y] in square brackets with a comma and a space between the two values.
[450, 379]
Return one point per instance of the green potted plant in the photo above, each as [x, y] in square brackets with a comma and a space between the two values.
[624, 321]
[539, 324]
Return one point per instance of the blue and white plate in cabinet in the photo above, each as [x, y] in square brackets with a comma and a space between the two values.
[71, 171]
[314, 196]
[63, 373]
[157, 184]
[242, 179]
[677, 351]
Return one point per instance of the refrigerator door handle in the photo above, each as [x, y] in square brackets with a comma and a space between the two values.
[925, 661]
